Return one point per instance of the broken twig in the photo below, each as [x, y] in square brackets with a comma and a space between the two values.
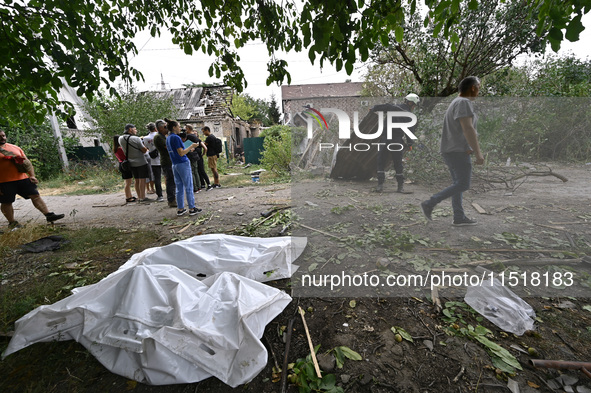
[312, 352]
[317, 230]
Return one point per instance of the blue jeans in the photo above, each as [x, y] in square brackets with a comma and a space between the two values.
[460, 168]
[183, 180]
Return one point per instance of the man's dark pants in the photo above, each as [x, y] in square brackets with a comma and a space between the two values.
[460, 168]
[383, 158]
[157, 171]
[170, 186]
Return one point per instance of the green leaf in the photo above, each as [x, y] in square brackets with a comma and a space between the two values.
[328, 382]
[555, 34]
[349, 67]
[349, 353]
[399, 33]
[574, 28]
[340, 357]
[403, 333]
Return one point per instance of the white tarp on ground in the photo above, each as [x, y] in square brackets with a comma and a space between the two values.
[158, 324]
[261, 259]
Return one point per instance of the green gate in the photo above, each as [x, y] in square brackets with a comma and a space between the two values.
[253, 148]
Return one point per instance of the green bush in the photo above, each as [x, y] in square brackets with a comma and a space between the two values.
[276, 155]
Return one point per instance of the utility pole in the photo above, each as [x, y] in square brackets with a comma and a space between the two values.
[60, 142]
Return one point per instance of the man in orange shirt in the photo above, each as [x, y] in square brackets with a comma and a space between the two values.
[13, 182]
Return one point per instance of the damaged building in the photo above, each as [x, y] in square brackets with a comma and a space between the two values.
[211, 106]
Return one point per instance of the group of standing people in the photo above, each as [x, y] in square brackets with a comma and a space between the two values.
[165, 151]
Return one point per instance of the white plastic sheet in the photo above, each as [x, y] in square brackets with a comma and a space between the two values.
[501, 306]
[155, 322]
[261, 259]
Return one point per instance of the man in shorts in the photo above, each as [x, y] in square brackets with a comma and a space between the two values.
[212, 156]
[134, 148]
[13, 182]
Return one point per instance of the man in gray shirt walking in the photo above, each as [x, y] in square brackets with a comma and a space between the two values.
[459, 141]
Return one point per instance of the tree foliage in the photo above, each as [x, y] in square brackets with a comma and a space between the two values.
[112, 113]
[273, 112]
[253, 109]
[550, 76]
[46, 43]
[486, 38]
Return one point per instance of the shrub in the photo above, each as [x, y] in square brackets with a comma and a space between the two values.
[276, 155]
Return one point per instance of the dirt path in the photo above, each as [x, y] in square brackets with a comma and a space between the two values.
[229, 207]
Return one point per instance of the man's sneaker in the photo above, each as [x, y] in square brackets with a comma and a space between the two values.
[180, 212]
[51, 217]
[427, 210]
[160, 199]
[464, 222]
[14, 225]
[194, 211]
[217, 186]
[145, 200]
[172, 204]
[209, 187]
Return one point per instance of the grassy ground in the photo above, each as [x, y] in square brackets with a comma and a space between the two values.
[89, 255]
[85, 179]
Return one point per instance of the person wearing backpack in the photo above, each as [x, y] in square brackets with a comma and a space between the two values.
[213, 152]
[134, 150]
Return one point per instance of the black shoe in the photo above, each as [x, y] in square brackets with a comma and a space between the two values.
[464, 222]
[194, 211]
[172, 204]
[180, 212]
[209, 187]
[427, 210]
[217, 186]
[14, 225]
[51, 217]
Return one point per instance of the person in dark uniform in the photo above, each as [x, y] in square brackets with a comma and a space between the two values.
[398, 136]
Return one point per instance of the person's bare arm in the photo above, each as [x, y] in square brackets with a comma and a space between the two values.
[472, 138]
[183, 152]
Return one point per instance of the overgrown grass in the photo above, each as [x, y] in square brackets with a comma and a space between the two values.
[30, 280]
[103, 177]
[84, 179]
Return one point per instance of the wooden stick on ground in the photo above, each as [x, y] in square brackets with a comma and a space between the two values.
[435, 298]
[317, 230]
[286, 355]
[478, 208]
[185, 228]
[312, 353]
